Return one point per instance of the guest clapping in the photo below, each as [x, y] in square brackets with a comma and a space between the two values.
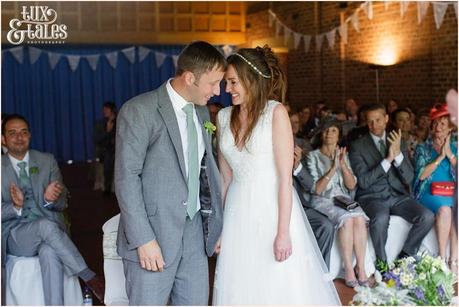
[435, 180]
[330, 168]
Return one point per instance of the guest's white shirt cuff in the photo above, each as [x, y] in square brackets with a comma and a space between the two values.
[398, 159]
[298, 169]
[47, 204]
[18, 211]
[385, 165]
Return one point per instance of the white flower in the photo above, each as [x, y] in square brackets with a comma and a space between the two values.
[422, 276]
[396, 271]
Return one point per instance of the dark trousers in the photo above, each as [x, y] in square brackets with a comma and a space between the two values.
[324, 232]
[379, 212]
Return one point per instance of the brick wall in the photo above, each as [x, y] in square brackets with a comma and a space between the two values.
[425, 69]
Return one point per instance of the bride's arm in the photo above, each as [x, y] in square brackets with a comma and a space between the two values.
[283, 155]
[226, 175]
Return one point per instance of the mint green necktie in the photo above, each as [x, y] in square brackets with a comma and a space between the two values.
[382, 148]
[193, 163]
[23, 177]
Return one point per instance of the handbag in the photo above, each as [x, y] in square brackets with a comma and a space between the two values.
[442, 188]
[345, 203]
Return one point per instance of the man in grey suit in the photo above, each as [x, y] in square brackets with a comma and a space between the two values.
[171, 213]
[33, 198]
[323, 228]
[385, 175]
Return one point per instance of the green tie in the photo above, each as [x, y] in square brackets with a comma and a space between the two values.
[382, 148]
[193, 163]
[23, 177]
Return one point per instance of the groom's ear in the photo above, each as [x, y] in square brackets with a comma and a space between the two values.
[189, 78]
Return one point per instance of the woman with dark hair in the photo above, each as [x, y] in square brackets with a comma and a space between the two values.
[333, 177]
[401, 120]
[269, 254]
[435, 180]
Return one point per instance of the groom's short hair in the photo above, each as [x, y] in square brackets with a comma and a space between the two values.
[198, 58]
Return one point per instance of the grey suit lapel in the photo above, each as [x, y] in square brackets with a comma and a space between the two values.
[170, 120]
[371, 146]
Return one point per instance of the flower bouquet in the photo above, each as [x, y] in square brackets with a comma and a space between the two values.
[420, 280]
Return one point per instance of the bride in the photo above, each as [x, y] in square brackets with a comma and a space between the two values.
[268, 253]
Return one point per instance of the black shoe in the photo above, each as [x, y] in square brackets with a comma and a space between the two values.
[381, 265]
[97, 286]
[402, 255]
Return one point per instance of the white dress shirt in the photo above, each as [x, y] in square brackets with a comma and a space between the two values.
[384, 163]
[16, 168]
[178, 102]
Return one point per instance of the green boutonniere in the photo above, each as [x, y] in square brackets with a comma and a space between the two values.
[33, 170]
[209, 127]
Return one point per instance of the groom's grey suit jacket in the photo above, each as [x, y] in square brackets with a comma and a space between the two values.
[151, 181]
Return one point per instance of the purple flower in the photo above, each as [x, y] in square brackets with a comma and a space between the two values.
[419, 294]
[441, 291]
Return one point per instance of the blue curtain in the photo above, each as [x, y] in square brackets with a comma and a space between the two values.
[62, 105]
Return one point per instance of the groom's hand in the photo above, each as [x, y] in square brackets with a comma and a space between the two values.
[150, 256]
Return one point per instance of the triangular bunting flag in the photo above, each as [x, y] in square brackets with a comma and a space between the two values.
[34, 54]
[343, 32]
[404, 7]
[17, 53]
[319, 40]
[159, 57]
[307, 42]
[271, 17]
[355, 21]
[287, 33]
[296, 39]
[439, 10]
[368, 9]
[53, 59]
[227, 50]
[331, 38]
[73, 60]
[175, 60]
[112, 58]
[422, 10]
[143, 53]
[92, 61]
[129, 53]
[386, 5]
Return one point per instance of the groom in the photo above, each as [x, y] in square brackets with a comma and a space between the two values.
[167, 184]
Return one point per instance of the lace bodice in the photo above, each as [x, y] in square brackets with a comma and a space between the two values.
[256, 159]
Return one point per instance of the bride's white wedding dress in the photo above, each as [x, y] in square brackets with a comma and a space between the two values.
[247, 272]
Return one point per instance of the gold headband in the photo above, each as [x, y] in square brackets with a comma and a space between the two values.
[253, 66]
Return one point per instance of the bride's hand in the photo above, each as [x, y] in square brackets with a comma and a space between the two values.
[218, 246]
[282, 247]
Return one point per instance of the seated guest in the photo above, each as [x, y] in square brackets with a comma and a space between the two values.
[385, 176]
[391, 106]
[330, 169]
[422, 129]
[351, 108]
[361, 128]
[299, 142]
[33, 198]
[401, 120]
[306, 121]
[436, 164]
[322, 227]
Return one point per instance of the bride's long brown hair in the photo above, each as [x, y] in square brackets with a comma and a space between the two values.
[259, 89]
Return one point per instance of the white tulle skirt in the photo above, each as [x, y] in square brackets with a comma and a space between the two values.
[247, 272]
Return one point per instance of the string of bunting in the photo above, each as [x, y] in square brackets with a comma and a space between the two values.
[439, 10]
[93, 59]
